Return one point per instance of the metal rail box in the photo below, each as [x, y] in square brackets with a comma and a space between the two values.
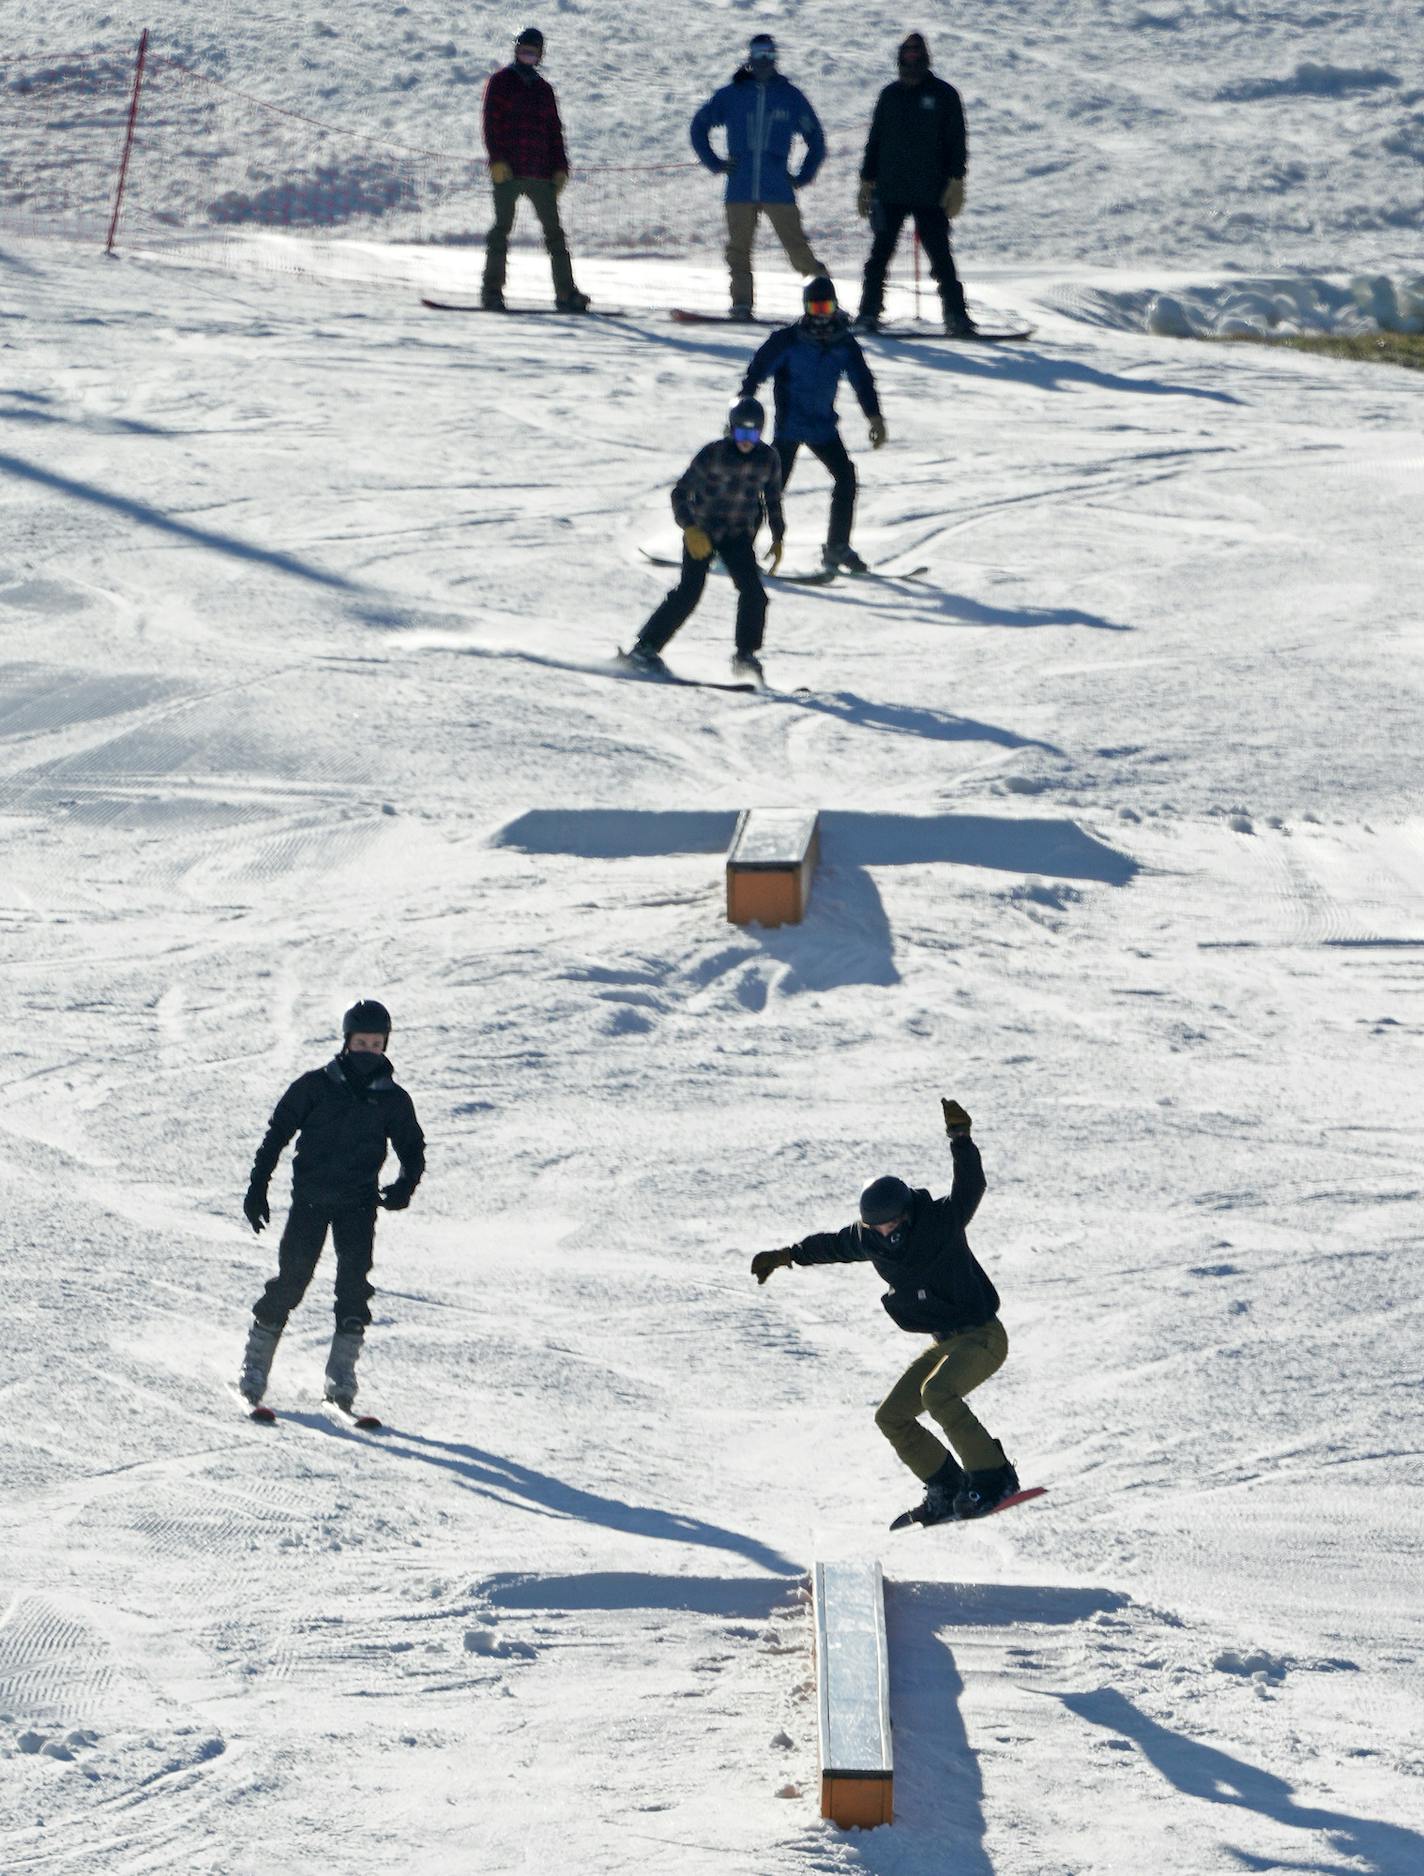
[853, 1679]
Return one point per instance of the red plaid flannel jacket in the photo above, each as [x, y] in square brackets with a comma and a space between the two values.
[522, 125]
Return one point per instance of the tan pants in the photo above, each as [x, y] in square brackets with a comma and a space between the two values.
[935, 1383]
[785, 218]
[544, 199]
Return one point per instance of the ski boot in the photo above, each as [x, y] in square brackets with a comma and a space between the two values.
[747, 664]
[574, 302]
[257, 1361]
[842, 559]
[341, 1366]
[983, 1491]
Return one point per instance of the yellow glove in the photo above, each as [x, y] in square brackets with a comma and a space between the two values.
[952, 201]
[772, 556]
[561, 181]
[698, 543]
[955, 1118]
[864, 197]
[878, 433]
[501, 172]
[766, 1261]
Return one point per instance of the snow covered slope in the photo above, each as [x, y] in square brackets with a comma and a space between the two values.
[305, 605]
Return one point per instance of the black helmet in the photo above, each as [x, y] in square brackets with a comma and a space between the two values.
[746, 414]
[366, 1018]
[821, 288]
[531, 36]
[884, 1200]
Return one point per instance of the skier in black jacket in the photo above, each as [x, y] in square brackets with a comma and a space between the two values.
[937, 1288]
[915, 161]
[344, 1116]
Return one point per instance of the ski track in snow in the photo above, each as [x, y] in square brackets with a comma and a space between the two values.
[306, 606]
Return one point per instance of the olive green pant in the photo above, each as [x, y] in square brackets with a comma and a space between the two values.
[544, 198]
[935, 1383]
[785, 219]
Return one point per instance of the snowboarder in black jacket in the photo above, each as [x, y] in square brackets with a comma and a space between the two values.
[937, 1288]
[915, 161]
[718, 501]
[344, 1116]
[806, 363]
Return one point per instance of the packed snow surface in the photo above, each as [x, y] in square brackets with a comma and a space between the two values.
[307, 601]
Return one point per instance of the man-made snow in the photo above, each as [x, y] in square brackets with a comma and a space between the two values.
[306, 598]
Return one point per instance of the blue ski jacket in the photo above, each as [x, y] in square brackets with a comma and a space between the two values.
[760, 117]
[806, 364]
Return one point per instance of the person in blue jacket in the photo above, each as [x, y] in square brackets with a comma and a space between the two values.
[806, 363]
[761, 113]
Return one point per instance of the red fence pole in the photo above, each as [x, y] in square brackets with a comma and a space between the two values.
[917, 276]
[128, 139]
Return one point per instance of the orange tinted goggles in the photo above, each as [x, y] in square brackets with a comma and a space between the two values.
[820, 309]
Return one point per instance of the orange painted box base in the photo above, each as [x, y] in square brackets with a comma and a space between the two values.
[859, 1803]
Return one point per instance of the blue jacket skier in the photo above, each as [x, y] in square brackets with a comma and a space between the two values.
[806, 363]
[761, 113]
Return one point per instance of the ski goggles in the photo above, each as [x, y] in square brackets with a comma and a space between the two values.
[746, 433]
[821, 309]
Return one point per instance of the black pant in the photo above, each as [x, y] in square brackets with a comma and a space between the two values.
[932, 226]
[738, 552]
[353, 1232]
[837, 460]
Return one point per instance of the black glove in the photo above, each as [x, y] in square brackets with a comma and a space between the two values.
[955, 1118]
[766, 1261]
[395, 1198]
[255, 1208]
[726, 166]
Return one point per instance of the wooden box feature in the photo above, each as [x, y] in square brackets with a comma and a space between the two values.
[853, 1683]
[769, 865]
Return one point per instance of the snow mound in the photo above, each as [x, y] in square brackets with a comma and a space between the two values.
[1309, 80]
[1292, 304]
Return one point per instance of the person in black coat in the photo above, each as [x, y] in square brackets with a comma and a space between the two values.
[344, 1117]
[938, 1288]
[915, 161]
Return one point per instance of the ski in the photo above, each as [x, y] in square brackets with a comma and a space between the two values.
[627, 668]
[1009, 336]
[522, 312]
[907, 1518]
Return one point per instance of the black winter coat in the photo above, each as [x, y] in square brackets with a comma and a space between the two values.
[936, 1284]
[917, 142]
[344, 1129]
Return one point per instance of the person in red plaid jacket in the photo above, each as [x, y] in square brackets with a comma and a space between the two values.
[525, 142]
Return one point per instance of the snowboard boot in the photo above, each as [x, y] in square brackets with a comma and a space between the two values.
[747, 664]
[959, 325]
[866, 322]
[983, 1491]
[741, 314]
[257, 1361]
[842, 559]
[643, 658]
[574, 302]
[341, 1366]
[492, 300]
[941, 1490]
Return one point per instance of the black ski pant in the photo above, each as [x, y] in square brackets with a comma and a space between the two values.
[836, 459]
[932, 226]
[738, 552]
[353, 1232]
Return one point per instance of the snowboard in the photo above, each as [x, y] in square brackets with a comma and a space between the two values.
[813, 576]
[907, 1518]
[686, 316]
[626, 668]
[522, 312]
